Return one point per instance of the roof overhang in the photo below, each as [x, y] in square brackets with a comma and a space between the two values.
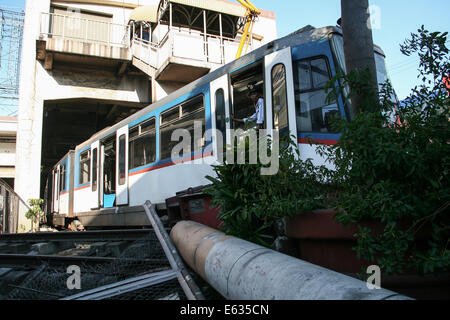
[147, 13]
[220, 6]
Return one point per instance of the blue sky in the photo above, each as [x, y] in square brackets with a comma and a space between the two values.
[398, 18]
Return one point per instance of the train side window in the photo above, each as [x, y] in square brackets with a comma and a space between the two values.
[142, 144]
[122, 153]
[85, 167]
[220, 114]
[62, 179]
[191, 111]
[94, 169]
[279, 98]
[313, 112]
[56, 184]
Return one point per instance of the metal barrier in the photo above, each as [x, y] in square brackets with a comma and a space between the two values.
[210, 48]
[11, 206]
[86, 30]
[203, 47]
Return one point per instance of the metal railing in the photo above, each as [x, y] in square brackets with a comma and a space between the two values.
[179, 43]
[194, 46]
[85, 30]
[11, 206]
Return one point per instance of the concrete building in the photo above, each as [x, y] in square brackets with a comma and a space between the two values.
[8, 132]
[88, 64]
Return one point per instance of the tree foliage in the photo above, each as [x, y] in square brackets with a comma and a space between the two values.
[393, 167]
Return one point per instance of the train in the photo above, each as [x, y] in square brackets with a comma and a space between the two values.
[121, 167]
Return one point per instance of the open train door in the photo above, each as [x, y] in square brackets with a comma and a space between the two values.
[280, 93]
[122, 166]
[95, 164]
[220, 107]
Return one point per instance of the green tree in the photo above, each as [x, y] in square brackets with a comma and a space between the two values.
[397, 172]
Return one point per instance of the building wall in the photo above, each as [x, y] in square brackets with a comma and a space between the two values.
[8, 131]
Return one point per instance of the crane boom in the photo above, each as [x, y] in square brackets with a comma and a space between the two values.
[250, 16]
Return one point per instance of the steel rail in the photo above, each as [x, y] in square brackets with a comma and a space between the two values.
[26, 259]
[122, 287]
[88, 236]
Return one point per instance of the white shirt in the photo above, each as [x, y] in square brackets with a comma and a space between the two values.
[258, 116]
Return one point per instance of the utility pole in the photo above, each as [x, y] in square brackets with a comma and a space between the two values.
[358, 42]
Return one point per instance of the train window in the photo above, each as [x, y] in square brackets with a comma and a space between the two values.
[279, 98]
[192, 111]
[85, 166]
[134, 133]
[220, 114]
[148, 126]
[313, 111]
[94, 169]
[242, 81]
[143, 146]
[171, 115]
[122, 153]
[62, 179]
[56, 184]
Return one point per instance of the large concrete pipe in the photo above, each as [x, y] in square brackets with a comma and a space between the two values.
[241, 270]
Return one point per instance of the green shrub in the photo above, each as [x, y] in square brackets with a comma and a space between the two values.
[252, 203]
[398, 173]
[35, 212]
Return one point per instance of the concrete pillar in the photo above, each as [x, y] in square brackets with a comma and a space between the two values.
[29, 129]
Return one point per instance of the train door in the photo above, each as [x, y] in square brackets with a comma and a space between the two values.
[107, 172]
[95, 192]
[280, 94]
[220, 107]
[122, 166]
[56, 176]
[243, 81]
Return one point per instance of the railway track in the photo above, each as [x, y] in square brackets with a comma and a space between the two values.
[87, 236]
[128, 264]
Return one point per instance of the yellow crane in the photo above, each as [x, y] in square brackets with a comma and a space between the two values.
[250, 16]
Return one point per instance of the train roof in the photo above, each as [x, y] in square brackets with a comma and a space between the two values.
[307, 34]
[63, 158]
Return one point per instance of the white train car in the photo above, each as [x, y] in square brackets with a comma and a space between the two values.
[130, 163]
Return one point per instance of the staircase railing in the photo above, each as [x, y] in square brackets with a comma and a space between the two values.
[11, 206]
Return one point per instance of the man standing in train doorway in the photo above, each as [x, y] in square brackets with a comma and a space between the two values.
[256, 95]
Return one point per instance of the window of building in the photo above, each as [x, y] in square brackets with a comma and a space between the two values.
[142, 144]
[85, 166]
[279, 98]
[183, 116]
[313, 111]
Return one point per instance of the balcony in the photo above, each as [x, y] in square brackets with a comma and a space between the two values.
[65, 35]
[181, 55]
[186, 55]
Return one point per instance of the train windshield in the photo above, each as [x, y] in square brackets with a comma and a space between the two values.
[337, 45]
